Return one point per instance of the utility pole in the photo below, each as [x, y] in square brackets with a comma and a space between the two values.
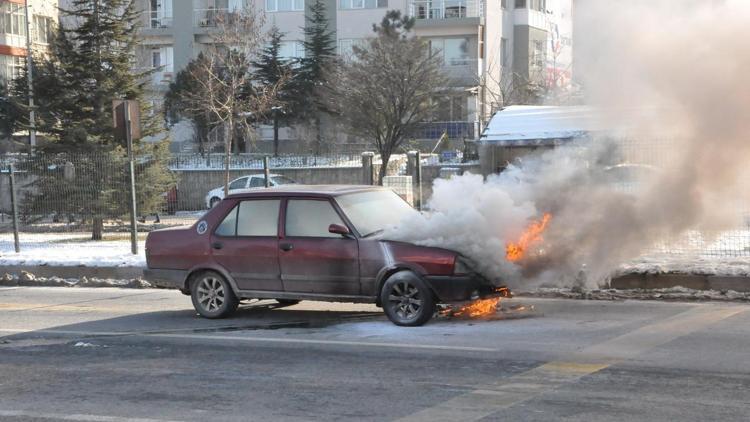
[30, 79]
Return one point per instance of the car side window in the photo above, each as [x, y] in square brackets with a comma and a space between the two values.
[258, 218]
[228, 226]
[238, 184]
[251, 218]
[257, 182]
[310, 218]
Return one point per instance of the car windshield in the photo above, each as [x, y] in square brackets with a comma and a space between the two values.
[282, 180]
[371, 212]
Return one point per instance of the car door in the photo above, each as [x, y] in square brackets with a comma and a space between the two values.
[312, 259]
[246, 243]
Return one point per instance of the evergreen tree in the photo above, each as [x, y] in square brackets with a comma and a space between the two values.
[316, 69]
[271, 70]
[88, 66]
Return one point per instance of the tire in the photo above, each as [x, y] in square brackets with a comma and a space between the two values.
[287, 302]
[212, 295]
[213, 201]
[407, 300]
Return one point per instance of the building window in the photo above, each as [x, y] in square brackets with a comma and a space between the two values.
[284, 5]
[539, 5]
[10, 68]
[291, 50]
[520, 4]
[362, 4]
[504, 4]
[539, 55]
[504, 52]
[43, 27]
[12, 19]
[454, 51]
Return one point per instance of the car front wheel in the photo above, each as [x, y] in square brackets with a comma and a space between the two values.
[213, 296]
[406, 299]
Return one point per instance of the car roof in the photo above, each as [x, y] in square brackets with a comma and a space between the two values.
[305, 190]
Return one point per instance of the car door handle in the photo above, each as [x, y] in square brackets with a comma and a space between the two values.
[286, 247]
[217, 245]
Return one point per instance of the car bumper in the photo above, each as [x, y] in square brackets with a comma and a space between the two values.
[460, 288]
[170, 279]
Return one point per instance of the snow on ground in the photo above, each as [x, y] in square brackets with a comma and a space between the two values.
[672, 293]
[69, 249]
[688, 264]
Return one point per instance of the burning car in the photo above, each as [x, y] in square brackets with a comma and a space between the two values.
[293, 243]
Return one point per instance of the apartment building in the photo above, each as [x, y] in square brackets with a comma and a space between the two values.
[42, 15]
[485, 44]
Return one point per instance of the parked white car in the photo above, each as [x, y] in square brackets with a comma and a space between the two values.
[245, 182]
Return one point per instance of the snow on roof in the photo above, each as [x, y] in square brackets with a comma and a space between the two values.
[540, 125]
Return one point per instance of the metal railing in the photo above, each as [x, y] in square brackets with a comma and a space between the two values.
[155, 19]
[455, 130]
[211, 17]
[444, 9]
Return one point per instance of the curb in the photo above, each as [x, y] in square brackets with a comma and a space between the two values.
[690, 281]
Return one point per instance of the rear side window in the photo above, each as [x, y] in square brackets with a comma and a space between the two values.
[258, 182]
[251, 218]
[310, 218]
[238, 184]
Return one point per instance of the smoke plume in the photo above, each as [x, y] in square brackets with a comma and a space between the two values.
[673, 79]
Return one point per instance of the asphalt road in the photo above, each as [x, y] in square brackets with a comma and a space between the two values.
[116, 354]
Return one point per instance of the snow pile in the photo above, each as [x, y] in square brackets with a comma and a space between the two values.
[69, 249]
[28, 279]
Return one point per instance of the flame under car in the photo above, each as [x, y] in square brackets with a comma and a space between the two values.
[310, 243]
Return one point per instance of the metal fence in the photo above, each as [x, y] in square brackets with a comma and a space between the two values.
[59, 198]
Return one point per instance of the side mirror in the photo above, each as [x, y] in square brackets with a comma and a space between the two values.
[339, 229]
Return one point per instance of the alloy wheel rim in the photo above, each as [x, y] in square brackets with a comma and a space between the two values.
[211, 295]
[406, 300]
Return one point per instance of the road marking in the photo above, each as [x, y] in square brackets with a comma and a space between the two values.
[253, 339]
[75, 417]
[483, 402]
[325, 342]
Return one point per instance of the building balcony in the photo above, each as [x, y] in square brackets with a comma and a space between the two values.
[155, 19]
[444, 9]
[434, 130]
[212, 17]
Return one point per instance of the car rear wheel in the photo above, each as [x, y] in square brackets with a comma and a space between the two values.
[213, 296]
[406, 299]
[215, 200]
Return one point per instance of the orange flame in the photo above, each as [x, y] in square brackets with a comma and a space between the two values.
[478, 308]
[533, 235]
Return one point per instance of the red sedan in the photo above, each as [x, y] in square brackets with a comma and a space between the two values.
[309, 243]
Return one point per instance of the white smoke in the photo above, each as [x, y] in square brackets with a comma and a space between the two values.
[686, 65]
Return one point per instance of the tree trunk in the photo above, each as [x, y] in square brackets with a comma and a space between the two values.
[227, 158]
[98, 228]
[385, 158]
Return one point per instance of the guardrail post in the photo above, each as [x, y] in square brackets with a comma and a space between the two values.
[267, 171]
[414, 168]
[367, 168]
[14, 207]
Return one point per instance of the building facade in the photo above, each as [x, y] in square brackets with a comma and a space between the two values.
[488, 46]
[13, 31]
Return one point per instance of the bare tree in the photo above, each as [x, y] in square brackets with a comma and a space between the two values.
[226, 89]
[387, 87]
